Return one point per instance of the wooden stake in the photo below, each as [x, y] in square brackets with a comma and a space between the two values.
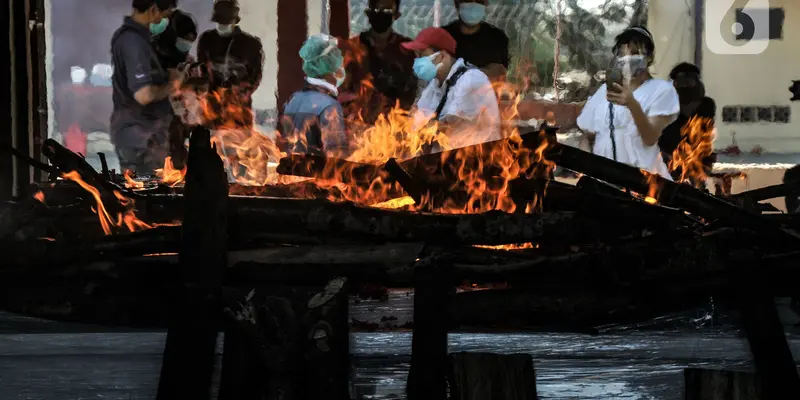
[188, 363]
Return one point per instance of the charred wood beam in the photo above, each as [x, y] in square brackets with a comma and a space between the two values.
[188, 361]
[667, 192]
[768, 192]
[345, 219]
[568, 292]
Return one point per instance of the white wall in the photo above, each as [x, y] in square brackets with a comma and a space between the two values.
[672, 24]
[758, 80]
[736, 80]
[260, 18]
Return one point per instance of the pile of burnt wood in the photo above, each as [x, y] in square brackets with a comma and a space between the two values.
[273, 269]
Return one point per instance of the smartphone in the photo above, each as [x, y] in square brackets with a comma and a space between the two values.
[613, 75]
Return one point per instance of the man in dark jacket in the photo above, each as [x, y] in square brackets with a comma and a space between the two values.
[235, 60]
[141, 88]
[173, 47]
[379, 71]
[694, 103]
[478, 42]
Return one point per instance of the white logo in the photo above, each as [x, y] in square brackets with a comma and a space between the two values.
[139, 76]
[720, 23]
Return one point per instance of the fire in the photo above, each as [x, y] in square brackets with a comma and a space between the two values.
[482, 173]
[124, 219]
[39, 196]
[399, 202]
[508, 247]
[697, 145]
[130, 183]
[169, 175]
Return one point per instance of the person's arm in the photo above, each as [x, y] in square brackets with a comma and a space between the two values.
[203, 48]
[137, 57]
[257, 63]
[585, 119]
[470, 99]
[663, 111]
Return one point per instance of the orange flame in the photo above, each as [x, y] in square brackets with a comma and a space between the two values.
[169, 175]
[250, 155]
[696, 146]
[126, 218]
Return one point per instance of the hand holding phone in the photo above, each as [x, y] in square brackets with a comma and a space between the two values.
[613, 76]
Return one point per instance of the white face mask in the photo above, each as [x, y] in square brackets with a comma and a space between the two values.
[224, 29]
[631, 65]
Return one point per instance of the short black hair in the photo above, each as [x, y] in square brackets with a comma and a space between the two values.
[184, 24]
[638, 35]
[371, 4]
[684, 68]
[144, 5]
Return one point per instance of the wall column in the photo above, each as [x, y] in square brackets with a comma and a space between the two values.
[292, 31]
[340, 18]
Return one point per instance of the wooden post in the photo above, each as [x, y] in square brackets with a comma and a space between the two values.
[432, 291]
[771, 353]
[487, 376]
[327, 351]
[709, 384]
[188, 363]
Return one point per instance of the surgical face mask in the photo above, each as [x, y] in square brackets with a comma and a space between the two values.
[224, 29]
[472, 13]
[380, 20]
[159, 27]
[340, 75]
[631, 65]
[183, 45]
[425, 69]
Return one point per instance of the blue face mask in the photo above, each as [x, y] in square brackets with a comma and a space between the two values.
[424, 68]
[472, 13]
[183, 45]
[340, 76]
[159, 27]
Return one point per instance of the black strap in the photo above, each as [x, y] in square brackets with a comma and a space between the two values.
[611, 129]
[449, 84]
[435, 146]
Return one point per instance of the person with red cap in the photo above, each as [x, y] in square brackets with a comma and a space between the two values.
[458, 96]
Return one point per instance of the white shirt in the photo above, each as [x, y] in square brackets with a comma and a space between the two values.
[657, 97]
[471, 98]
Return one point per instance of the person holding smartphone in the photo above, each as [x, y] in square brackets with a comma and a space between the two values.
[628, 113]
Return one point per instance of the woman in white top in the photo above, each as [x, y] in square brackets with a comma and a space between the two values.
[640, 108]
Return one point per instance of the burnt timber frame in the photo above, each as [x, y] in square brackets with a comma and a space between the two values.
[27, 117]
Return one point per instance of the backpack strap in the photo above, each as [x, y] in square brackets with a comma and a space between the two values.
[449, 85]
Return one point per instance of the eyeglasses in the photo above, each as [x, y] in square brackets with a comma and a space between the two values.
[381, 10]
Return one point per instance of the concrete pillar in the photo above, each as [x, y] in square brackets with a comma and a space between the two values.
[260, 18]
[672, 26]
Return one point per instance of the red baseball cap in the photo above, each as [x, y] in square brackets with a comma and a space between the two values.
[436, 38]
